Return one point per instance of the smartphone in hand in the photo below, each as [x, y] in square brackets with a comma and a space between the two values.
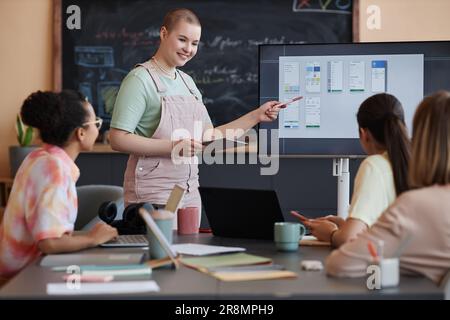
[302, 219]
[298, 215]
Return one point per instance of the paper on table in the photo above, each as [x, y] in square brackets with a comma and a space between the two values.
[102, 288]
[203, 250]
[312, 241]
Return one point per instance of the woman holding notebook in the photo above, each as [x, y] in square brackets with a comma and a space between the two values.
[157, 101]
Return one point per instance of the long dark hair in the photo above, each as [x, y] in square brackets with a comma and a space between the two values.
[382, 114]
[56, 115]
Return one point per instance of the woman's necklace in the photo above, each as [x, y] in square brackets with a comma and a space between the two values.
[171, 75]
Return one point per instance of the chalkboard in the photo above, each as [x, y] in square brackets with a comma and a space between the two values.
[114, 35]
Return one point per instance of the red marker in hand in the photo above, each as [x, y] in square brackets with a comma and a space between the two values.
[284, 104]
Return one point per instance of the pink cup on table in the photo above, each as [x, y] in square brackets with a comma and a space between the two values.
[188, 220]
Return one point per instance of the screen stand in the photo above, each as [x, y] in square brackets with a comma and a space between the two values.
[342, 172]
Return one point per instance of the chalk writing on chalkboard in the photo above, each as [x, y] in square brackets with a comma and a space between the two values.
[94, 56]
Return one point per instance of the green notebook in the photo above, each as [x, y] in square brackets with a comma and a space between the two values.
[224, 260]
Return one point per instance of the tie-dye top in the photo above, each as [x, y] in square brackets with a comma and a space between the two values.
[43, 204]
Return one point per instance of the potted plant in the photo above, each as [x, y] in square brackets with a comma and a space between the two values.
[18, 153]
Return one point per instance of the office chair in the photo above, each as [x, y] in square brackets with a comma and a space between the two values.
[90, 197]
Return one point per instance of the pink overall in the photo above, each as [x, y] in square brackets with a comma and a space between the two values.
[151, 179]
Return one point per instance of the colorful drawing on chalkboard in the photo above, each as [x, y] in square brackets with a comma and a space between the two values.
[323, 6]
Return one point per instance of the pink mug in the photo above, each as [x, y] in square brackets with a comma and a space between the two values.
[188, 220]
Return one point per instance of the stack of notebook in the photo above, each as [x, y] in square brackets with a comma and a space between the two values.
[105, 273]
[238, 267]
[113, 273]
[95, 267]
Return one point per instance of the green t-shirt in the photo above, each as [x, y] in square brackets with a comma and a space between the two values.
[138, 105]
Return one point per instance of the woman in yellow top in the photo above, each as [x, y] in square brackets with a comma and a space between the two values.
[381, 177]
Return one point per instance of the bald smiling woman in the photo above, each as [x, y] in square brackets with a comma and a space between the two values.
[155, 101]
